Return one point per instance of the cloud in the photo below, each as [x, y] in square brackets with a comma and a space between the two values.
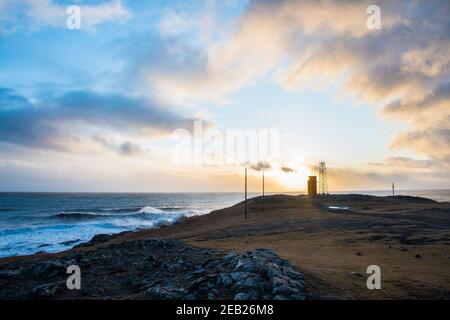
[10, 100]
[287, 170]
[126, 148]
[268, 35]
[403, 68]
[350, 179]
[434, 142]
[260, 166]
[130, 149]
[175, 24]
[36, 14]
[64, 122]
[405, 177]
[405, 162]
[430, 124]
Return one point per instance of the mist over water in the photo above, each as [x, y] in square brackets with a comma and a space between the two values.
[52, 222]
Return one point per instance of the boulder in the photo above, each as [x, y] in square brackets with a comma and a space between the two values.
[253, 282]
[167, 292]
[49, 269]
[280, 297]
[224, 280]
[242, 296]
[230, 256]
[284, 290]
[44, 291]
[238, 276]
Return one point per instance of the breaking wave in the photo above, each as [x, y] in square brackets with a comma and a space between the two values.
[58, 222]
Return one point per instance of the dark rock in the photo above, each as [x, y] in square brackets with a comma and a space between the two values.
[284, 290]
[70, 242]
[244, 264]
[238, 276]
[174, 267]
[44, 291]
[289, 272]
[202, 279]
[253, 282]
[199, 271]
[48, 268]
[168, 292]
[77, 257]
[160, 243]
[298, 296]
[280, 297]
[418, 256]
[9, 273]
[230, 256]
[224, 280]
[278, 281]
[359, 253]
[205, 288]
[241, 296]
[272, 270]
[97, 239]
[157, 269]
[212, 264]
[192, 296]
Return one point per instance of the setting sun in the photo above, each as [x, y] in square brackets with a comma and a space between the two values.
[294, 180]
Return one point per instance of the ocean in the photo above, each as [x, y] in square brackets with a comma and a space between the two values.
[52, 222]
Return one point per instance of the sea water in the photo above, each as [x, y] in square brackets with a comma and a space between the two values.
[52, 222]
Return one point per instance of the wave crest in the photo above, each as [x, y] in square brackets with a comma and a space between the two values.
[149, 209]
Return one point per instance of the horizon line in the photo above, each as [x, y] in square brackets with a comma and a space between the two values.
[214, 192]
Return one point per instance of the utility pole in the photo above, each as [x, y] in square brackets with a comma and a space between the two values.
[245, 208]
[263, 193]
[393, 190]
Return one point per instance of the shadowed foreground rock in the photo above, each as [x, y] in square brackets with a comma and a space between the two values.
[154, 269]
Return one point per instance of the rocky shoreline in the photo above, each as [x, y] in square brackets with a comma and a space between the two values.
[153, 269]
[330, 239]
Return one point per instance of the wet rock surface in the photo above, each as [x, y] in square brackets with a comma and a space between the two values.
[155, 269]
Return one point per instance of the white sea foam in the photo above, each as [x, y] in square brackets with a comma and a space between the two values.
[149, 209]
[54, 223]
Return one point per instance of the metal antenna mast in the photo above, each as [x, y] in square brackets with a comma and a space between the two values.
[323, 184]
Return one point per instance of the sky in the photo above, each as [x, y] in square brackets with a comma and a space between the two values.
[182, 96]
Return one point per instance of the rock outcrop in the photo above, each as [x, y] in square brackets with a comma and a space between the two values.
[155, 269]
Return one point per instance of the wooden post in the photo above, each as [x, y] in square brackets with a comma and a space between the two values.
[263, 194]
[393, 190]
[245, 208]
